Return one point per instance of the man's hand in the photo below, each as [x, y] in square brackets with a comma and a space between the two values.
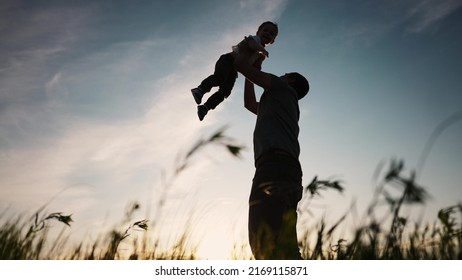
[263, 52]
[259, 62]
[242, 65]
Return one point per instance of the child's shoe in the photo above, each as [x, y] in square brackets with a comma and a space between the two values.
[202, 111]
[197, 94]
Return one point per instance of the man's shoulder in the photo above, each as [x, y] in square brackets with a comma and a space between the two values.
[280, 89]
[277, 82]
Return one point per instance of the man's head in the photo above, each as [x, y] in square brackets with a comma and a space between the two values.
[267, 32]
[298, 82]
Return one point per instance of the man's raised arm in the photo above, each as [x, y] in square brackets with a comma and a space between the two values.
[250, 101]
[256, 76]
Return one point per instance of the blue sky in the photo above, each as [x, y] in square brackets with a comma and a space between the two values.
[95, 104]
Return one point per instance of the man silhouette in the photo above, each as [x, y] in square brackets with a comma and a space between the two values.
[277, 183]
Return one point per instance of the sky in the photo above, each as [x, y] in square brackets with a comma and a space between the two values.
[95, 107]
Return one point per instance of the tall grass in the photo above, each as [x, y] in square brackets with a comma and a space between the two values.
[386, 234]
[30, 239]
[383, 232]
[20, 239]
[390, 236]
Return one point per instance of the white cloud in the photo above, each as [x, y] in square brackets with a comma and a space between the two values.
[35, 38]
[430, 12]
[272, 8]
[88, 166]
[374, 24]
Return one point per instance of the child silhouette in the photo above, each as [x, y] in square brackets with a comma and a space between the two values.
[225, 75]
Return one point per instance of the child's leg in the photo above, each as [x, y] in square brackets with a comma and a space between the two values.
[223, 92]
[222, 69]
[227, 76]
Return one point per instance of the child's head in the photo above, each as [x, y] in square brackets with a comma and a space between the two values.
[267, 32]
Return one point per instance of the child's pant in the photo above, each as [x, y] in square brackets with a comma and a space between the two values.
[224, 77]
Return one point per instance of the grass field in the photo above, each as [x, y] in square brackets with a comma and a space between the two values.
[385, 236]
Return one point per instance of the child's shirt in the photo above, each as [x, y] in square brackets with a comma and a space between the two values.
[256, 38]
[254, 58]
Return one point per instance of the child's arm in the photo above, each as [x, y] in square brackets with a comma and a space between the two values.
[252, 45]
[250, 101]
[256, 47]
[242, 65]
